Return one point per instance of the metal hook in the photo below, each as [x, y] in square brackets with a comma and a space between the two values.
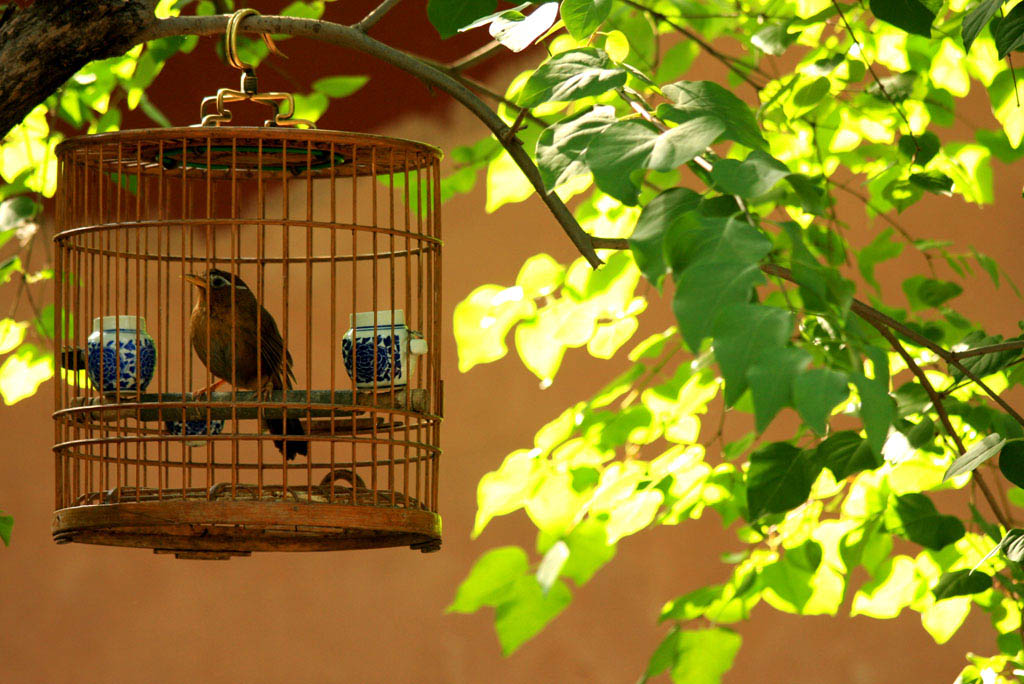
[249, 89]
[231, 40]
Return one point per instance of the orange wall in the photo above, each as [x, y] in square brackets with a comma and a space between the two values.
[92, 614]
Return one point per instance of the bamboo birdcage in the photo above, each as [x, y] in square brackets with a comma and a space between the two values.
[321, 225]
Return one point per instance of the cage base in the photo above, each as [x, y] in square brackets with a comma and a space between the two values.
[217, 530]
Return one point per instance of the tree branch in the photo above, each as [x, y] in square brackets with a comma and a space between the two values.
[350, 37]
[376, 15]
[944, 417]
[44, 44]
[877, 318]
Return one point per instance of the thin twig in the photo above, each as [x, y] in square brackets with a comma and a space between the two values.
[989, 349]
[729, 61]
[479, 55]
[874, 75]
[904, 233]
[940, 409]
[376, 15]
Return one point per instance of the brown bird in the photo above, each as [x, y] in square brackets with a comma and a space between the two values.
[275, 364]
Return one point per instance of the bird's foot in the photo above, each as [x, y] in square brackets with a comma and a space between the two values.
[203, 391]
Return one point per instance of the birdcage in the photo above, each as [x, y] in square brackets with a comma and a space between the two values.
[301, 269]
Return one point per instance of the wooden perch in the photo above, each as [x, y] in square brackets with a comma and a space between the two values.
[244, 405]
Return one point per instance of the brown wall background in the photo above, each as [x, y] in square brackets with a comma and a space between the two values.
[92, 614]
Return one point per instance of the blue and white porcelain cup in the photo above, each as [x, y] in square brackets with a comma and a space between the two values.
[122, 351]
[394, 348]
[192, 428]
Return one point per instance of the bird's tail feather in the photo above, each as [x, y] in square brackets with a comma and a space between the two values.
[292, 426]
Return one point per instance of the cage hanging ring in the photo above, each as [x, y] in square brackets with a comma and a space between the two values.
[231, 39]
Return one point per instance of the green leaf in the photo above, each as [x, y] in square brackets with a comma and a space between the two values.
[961, 583]
[978, 453]
[774, 38]
[621, 149]
[1012, 545]
[799, 583]
[692, 605]
[663, 657]
[448, 16]
[771, 381]
[882, 248]
[491, 579]
[816, 392]
[45, 323]
[920, 148]
[310, 106]
[780, 478]
[562, 148]
[305, 10]
[589, 550]
[984, 364]
[812, 93]
[682, 143]
[15, 211]
[1009, 32]
[910, 15]
[582, 17]
[571, 75]
[877, 408]
[22, 373]
[482, 320]
[517, 621]
[12, 334]
[691, 99]
[977, 19]
[846, 453]
[895, 585]
[705, 289]
[6, 525]
[752, 177]
[658, 215]
[812, 193]
[1011, 462]
[540, 275]
[8, 267]
[704, 655]
[504, 490]
[744, 334]
[518, 32]
[695, 238]
[339, 86]
[934, 182]
[914, 516]
[925, 292]
[631, 145]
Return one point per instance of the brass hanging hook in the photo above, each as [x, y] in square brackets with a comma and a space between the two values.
[231, 40]
[283, 103]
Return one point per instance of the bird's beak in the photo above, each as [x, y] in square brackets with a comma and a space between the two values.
[196, 280]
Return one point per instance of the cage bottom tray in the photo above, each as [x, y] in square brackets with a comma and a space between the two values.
[199, 526]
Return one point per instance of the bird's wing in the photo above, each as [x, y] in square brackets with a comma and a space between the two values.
[271, 350]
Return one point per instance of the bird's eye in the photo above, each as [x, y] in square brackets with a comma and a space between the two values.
[218, 281]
